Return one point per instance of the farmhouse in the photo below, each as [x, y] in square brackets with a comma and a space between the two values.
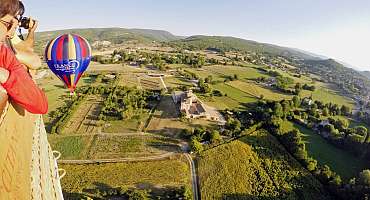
[193, 108]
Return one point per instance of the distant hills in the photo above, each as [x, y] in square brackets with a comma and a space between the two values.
[199, 42]
[232, 43]
[329, 69]
[121, 35]
[367, 74]
[114, 35]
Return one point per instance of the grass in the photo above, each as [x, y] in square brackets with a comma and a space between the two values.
[234, 93]
[71, 147]
[242, 72]
[256, 91]
[233, 169]
[255, 167]
[144, 175]
[134, 124]
[340, 161]
[174, 82]
[325, 94]
[221, 103]
[130, 146]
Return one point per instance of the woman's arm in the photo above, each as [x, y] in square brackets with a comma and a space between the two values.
[24, 49]
[20, 86]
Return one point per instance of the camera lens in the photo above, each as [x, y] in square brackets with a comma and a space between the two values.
[25, 22]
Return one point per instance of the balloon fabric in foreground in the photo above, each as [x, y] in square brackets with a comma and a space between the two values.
[68, 56]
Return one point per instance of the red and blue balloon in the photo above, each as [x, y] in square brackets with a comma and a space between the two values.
[68, 56]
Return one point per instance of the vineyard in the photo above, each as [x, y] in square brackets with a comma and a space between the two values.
[256, 166]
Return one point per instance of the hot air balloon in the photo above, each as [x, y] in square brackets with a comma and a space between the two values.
[68, 56]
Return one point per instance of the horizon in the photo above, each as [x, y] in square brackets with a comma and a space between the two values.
[337, 34]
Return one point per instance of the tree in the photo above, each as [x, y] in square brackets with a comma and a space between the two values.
[215, 137]
[138, 195]
[195, 145]
[325, 112]
[345, 110]
[208, 79]
[296, 101]
[312, 164]
[361, 130]
[278, 110]
[364, 177]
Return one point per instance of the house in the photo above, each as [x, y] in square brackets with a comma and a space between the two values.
[193, 108]
[308, 101]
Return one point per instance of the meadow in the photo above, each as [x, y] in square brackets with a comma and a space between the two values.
[340, 161]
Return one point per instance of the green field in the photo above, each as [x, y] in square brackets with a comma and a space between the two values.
[154, 175]
[326, 95]
[221, 103]
[256, 91]
[234, 93]
[341, 161]
[255, 167]
[174, 82]
[134, 124]
[243, 73]
[108, 147]
[71, 147]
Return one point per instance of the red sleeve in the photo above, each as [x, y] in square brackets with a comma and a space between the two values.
[20, 86]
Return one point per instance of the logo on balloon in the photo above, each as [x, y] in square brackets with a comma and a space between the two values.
[71, 67]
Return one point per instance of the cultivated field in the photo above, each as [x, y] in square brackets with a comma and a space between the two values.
[71, 147]
[85, 119]
[256, 166]
[155, 175]
[116, 146]
[256, 90]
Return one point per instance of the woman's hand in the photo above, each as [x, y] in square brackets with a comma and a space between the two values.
[24, 49]
[4, 75]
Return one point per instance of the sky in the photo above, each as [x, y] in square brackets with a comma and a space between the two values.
[338, 29]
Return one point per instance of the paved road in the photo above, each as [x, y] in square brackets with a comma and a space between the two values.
[194, 177]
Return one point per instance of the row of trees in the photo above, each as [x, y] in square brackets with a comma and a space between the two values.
[137, 194]
[272, 114]
[62, 115]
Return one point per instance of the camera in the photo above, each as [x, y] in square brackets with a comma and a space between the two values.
[25, 22]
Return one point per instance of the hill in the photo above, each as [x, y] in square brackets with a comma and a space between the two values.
[238, 44]
[367, 74]
[348, 79]
[114, 35]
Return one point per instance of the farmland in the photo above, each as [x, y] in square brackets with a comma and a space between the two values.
[128, 126]
[324, 152]
[256, 166]
[157, 176]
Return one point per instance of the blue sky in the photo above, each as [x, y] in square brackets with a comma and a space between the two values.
[335, 28]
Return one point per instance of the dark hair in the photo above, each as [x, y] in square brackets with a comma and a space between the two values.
[11, 7]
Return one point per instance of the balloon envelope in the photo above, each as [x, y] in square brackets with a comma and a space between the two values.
[68, 56]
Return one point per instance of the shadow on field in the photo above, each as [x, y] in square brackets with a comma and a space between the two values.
[103, 191]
